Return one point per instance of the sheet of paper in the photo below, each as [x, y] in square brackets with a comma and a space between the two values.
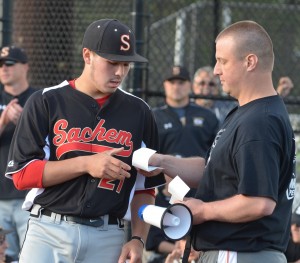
[178, 189]
[140, 159]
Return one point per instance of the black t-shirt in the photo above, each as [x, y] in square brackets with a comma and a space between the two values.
[8, 190]
[253, 155]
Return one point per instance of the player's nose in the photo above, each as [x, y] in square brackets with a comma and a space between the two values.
[121, 70]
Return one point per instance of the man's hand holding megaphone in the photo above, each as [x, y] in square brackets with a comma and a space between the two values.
[175, 220]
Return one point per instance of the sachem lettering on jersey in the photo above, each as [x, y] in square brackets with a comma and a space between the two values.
[79, 139]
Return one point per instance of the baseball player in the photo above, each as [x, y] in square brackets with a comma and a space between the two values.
[73, 146]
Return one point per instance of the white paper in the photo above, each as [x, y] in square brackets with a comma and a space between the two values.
[178, 189]
[140, 159]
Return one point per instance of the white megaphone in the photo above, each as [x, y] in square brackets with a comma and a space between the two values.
[175, 220]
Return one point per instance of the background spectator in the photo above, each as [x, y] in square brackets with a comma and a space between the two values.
[185, 129]
[207, 84]
[13, 95]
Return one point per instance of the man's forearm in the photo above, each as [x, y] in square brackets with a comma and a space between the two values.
[190, 170]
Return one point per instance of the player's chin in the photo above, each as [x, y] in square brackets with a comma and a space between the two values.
[111, 89]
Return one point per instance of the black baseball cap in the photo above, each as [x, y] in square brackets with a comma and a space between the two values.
[4, 231]
[13, 53]
[111, 39]
[178, 72]
[296, 216]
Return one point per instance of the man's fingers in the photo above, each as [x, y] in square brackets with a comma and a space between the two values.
[13, 101]
[105, 165]
[117, 169]
[115, 151]
[118, 163]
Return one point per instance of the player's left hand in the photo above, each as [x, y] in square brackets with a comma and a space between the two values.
[132, 252]
[105, 165]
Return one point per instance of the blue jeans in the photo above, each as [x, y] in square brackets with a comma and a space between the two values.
[13, 217]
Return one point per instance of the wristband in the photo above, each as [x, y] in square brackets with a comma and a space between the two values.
[140, 239]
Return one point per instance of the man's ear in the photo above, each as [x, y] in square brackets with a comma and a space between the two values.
[251, 61]
[86, 54]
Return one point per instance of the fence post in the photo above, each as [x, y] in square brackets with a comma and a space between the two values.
[216, 27]
[6, 23]
[138, 27]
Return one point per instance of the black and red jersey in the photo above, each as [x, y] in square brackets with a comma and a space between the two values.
[60, 123]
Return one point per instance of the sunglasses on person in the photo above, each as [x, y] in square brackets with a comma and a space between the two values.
[2, 239]
[210, 83]
[7, 63]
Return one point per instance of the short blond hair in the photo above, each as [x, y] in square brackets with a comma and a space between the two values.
[251, 38]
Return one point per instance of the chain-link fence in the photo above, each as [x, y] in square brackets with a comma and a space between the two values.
[52, 31]
[168, 32]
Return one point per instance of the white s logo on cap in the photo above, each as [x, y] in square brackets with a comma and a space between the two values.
[125, 40]
[5, 52]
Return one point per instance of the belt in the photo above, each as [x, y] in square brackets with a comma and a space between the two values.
[94, 222]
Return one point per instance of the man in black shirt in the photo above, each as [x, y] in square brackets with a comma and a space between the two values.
[246, 185]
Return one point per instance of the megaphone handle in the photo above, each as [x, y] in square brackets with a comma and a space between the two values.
[187, 249]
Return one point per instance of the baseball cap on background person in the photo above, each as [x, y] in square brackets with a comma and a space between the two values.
[296, 216]
[12, 53]
[178, 72]
[112, 40]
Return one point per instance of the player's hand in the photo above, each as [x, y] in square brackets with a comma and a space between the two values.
[132, 252]
[11, 113]
[105, 165]
[14, 111]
